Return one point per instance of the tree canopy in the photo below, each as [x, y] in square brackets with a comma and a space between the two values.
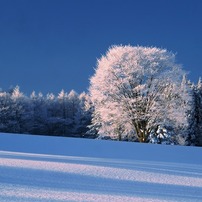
[137, 89]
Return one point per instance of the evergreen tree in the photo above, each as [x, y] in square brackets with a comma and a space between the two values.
[5, 111]
[39, 115]
[186, 134]
[18, 111]
[198, 109]
[82, 116]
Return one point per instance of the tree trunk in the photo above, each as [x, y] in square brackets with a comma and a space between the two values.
[141, 131]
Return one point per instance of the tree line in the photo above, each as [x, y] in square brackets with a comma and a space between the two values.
[136, 94]
[62, 115]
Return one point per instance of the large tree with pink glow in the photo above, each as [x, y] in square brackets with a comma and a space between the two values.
[136, 90]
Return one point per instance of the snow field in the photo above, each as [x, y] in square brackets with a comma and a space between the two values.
[32, 176]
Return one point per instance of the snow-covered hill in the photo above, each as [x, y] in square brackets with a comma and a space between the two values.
[39, 168]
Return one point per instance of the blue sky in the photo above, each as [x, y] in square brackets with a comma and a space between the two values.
[49, 45]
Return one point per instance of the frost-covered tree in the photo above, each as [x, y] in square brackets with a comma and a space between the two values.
[136, 90]
[193, 134]
[73, 107]
[60, 118]
[198, 112]
[95, 122]
[81, 116]
[14, 111]
[19, 111]
[39, 114]
[187, 133]
[5, 111]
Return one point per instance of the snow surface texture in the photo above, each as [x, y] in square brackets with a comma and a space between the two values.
[37, 168]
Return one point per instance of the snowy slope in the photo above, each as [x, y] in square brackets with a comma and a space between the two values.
[37, 168]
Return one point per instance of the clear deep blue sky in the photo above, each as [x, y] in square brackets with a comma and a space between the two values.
[49, 45]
